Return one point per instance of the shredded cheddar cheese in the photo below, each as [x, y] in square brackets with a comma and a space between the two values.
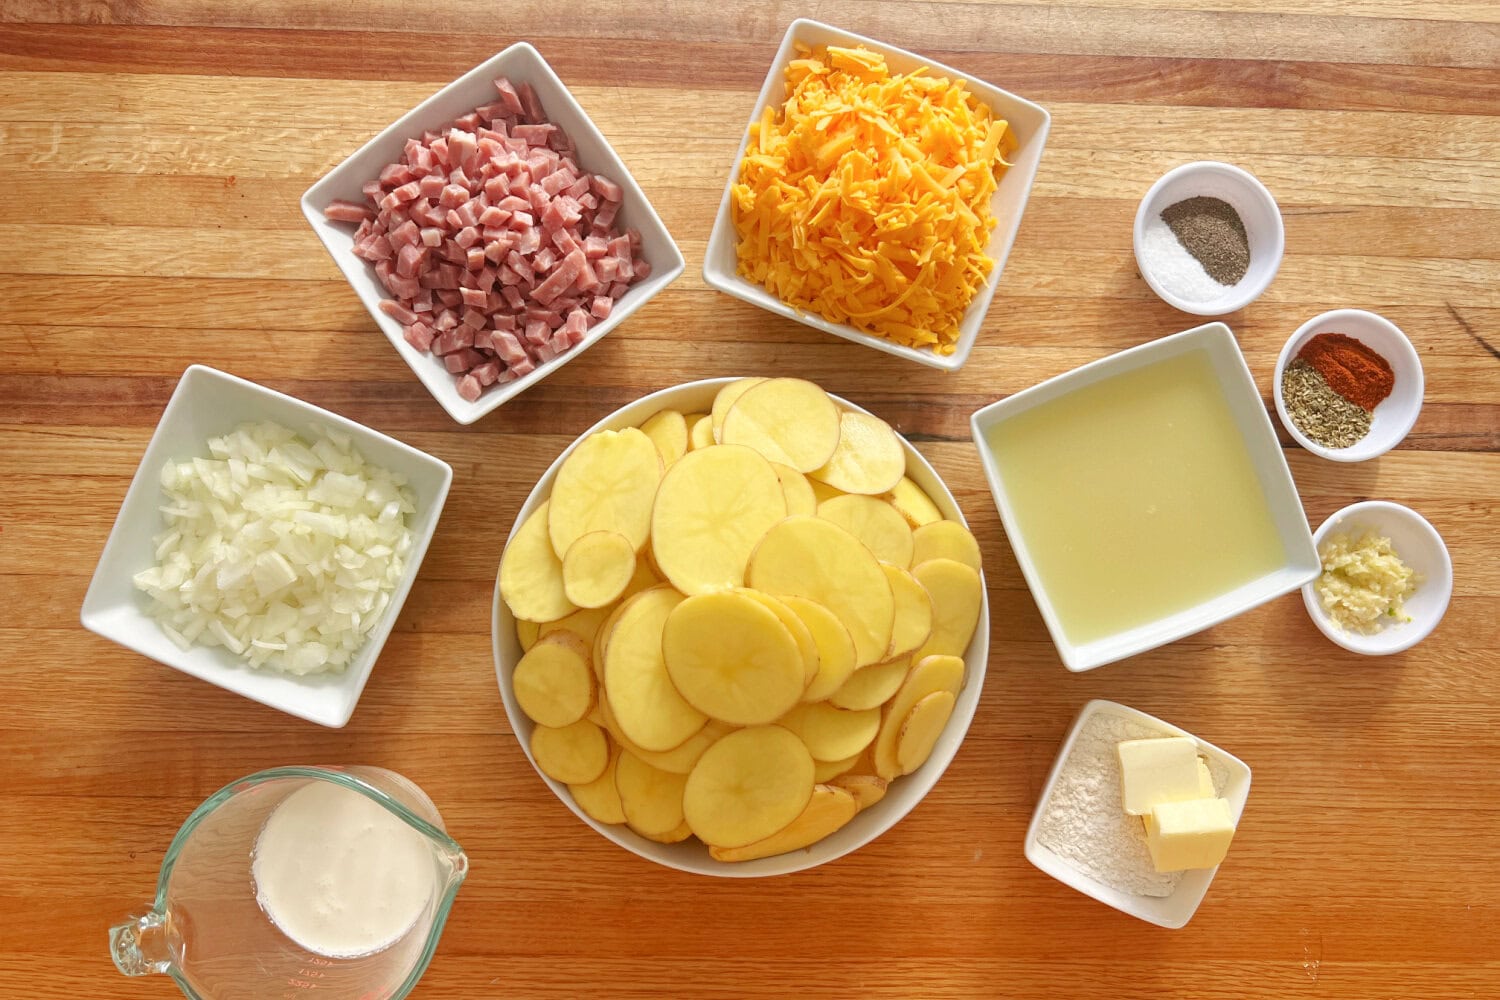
[865, 199]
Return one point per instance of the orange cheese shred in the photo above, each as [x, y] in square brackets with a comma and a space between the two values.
[866, 197]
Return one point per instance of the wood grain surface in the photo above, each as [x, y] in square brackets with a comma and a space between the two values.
[151, 157]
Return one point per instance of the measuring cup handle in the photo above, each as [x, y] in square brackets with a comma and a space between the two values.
[142, 946]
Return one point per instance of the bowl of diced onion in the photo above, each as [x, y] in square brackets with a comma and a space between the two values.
[266, 545]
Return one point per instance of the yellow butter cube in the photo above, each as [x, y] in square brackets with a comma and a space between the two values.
[1191, 834]
[1158, 770]
[1206, 788]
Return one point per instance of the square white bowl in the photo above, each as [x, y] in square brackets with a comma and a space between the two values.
[1282, 501]
[207, 403]
[1165, 911]
[1030, 123]
[522, 64]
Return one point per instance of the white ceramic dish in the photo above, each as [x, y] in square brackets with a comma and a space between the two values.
[207, 403]
[1420, 547]
[691, 856]
[1281, 497]
[1030, 123]
[1394, 416]
[1172, 911]
[521, 63]
[1256, 208]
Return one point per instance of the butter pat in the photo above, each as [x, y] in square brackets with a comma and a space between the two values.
[1206, 788]
[1158, 770]
[1191, 834]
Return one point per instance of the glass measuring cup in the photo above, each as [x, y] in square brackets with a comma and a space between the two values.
[208, 932]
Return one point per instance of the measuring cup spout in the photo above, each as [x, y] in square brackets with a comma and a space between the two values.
[143, 945]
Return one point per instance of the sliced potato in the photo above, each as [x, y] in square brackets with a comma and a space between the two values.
[597, 568]
[668, 430]
[645, 703]
[827, 770]
[554, 681]
[531, 580]
[527, 633]
[583, 623]
[822, 492]
[747, 786]
[920, 732]
[875, 523]
[913, 623]
[732, 659]
[869, 458]
[913, 503]
[832, 733]
[813, 558]
[714, 505]
[727, 397]
[870, 687]
[680, 759]
[807, 647]
[650, 797]
[796, 489]
[867, 789]
[929, 675]
[945, 540]
[788, 420]
[676, 835]
[827, 810]
[599, 798]
[574, 755]
[607, 483]
[836, 652]
[700, 433]
[956, 598]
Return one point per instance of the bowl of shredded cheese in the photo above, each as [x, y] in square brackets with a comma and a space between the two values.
[1386, 578]
[876, 195]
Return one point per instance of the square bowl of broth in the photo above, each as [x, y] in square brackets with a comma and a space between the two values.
[1146, 496]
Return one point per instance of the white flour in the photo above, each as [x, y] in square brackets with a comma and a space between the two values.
[1084, 822]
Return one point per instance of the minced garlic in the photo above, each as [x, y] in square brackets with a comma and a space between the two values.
[1364, 582]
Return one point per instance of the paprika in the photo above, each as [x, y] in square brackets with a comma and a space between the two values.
[1350, 368]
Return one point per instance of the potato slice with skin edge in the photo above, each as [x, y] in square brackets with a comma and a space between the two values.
[920, 732]
[946, 540]
[747, 786]
[827, 770]
[676, 835]
[788, 420]
[913, 612]
[813, 558]
[679, 759]
[732, 659]
[827, 810]
[796, 489]
[650, 797]
[727, 397]
[668, 430]
[554, 681]
[713, 507]
[957, 595]
[645, 703]
[867, 789]
[929, 675]
[807, 647]
[913, 503]
[701, 433]
[607, 483]
[574, 755]
[584, 623]
[835, 648]
[875, 523]
[869, 458]
[597, 568]
[832, 733]
[531, 580]
[599, 798]
[872, 686]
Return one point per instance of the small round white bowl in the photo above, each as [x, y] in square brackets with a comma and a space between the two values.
[690, 855]
[1420, 547]
[1256, 208]
[1395, 415]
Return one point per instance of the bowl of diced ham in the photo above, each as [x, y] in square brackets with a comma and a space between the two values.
[492, 233]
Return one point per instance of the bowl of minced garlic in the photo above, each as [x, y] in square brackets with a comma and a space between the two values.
[1386, 580]
[1348, 385]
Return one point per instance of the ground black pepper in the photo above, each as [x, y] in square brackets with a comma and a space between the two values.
[1213, 232]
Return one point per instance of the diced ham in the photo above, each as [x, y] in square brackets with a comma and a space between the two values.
[452, 340]
[469, 387]
[347, 211]
[601, 306]
[509, 96]
[507, 347]
[419, 335]
[474, 297]
[400, 313]
[462, 359]
[608, 189]
[605, 217]
[525, 366]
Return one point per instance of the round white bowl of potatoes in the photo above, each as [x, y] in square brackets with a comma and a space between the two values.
[740, 627]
